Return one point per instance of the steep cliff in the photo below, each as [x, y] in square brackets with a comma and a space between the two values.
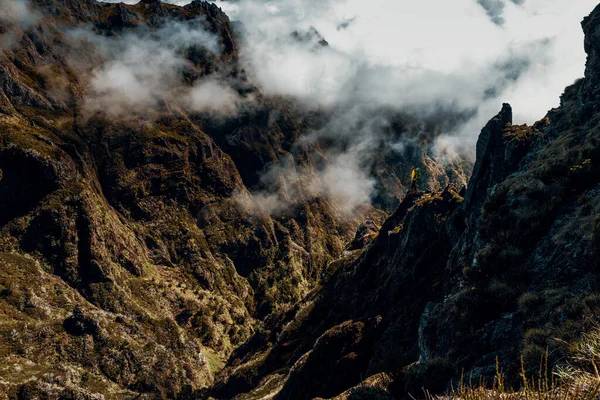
[134, 257]
[157, 241]
[454, 282]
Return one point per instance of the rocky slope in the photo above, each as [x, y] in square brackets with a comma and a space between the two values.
[140, 258]
[455, 282]
[134, 258]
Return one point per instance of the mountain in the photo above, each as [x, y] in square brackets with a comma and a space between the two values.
[168, 230]
[140, 243]
[458, 284]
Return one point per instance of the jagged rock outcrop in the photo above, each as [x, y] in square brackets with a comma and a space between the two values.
[493, 163]
[589, 91]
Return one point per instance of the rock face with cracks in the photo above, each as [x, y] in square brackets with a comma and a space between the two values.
[140, 258]
[135, 259]
[455, 281]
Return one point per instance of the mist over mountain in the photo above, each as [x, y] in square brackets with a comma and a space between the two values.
[221, 199]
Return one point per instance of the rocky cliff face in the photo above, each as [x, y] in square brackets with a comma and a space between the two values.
[140, 258]
[134, 259]
[453, 282]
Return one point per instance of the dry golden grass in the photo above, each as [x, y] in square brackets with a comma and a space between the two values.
[567, 383]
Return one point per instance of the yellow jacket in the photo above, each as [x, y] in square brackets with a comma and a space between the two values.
[415, 174]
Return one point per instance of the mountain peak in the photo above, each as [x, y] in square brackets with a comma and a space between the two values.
[591, 28]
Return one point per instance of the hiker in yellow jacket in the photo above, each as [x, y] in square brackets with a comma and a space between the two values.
[415, 177]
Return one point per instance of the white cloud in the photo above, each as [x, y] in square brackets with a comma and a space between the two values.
[142, 69]
[457, 59]
[346, 182]
[17, 12]
[213, 96]
[136, 79]
[407, 54]
[343, 181]
[411, 53]
[417, 57]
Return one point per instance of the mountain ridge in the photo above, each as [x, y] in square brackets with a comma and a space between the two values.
[504, 276]
[142, 255]
[135, 254]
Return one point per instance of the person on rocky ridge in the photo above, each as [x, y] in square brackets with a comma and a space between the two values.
[415, 177]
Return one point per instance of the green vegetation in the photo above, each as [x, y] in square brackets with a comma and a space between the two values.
[577, 378]
[524, 133]
[369, 393]
[428, 198]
